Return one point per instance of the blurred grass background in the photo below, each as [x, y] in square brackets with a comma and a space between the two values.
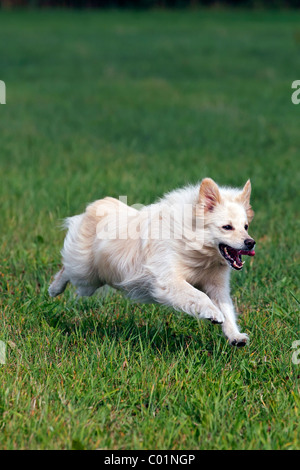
[138, 103]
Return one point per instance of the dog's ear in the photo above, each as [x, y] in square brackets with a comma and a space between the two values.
[244, 198]
[246, 193]
[209, 194]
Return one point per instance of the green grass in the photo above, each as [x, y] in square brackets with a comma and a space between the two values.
[137, 104]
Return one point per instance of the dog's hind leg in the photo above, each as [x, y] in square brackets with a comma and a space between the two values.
[59, 283]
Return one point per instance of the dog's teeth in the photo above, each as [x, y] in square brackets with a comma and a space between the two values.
[238, 266]
[243, 262]
[225, 249]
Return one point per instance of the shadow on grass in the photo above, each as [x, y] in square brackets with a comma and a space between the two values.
[118, 320]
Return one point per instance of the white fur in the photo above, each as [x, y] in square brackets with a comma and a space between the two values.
[187, 273]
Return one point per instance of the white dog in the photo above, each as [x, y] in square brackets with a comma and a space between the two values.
[177, 252]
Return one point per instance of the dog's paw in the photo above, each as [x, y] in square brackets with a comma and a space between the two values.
[52, 291]
[214, 315]
[240, 340]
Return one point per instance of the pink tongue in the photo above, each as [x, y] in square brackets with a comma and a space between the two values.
[244, 252]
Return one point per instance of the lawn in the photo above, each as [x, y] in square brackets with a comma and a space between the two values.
[136, 104]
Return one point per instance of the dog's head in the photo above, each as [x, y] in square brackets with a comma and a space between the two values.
[227, 215]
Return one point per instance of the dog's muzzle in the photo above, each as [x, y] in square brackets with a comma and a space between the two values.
[234, 257]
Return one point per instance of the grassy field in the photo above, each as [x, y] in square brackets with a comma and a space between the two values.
[137, 104]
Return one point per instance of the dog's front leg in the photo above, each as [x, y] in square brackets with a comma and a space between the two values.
[230, 328]
[182, 296]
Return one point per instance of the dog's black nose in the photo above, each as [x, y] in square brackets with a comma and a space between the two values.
[249, 243]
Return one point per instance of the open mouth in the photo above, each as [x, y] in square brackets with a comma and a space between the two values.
[233, 256]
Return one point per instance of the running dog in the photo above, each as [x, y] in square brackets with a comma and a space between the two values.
[177, 252]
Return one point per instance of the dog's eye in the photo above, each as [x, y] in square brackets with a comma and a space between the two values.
[227, 227]
[246, 227]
